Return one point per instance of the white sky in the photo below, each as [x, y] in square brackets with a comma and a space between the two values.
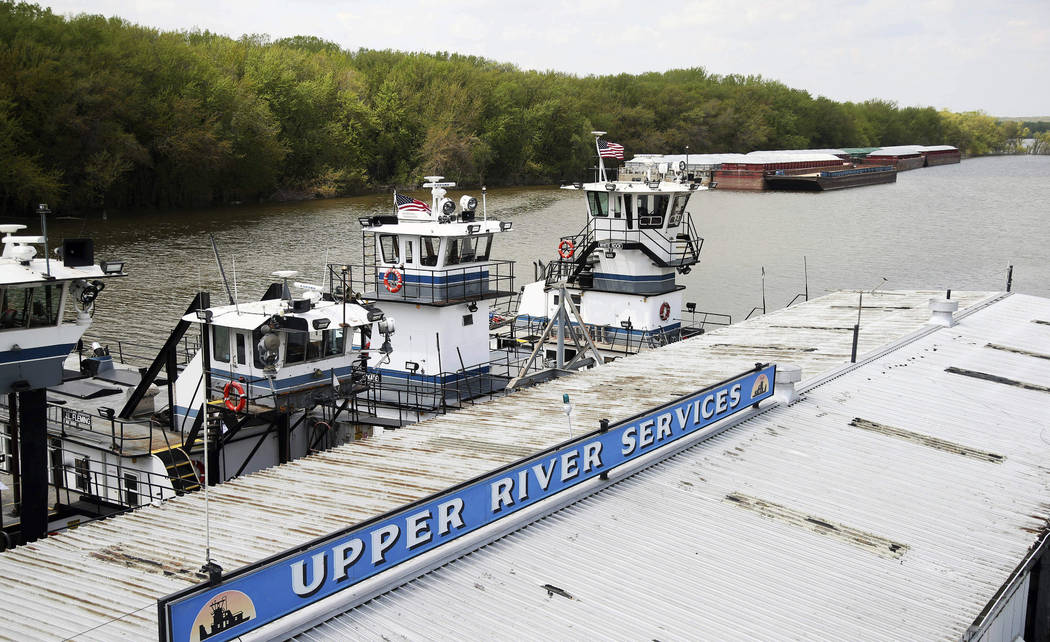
[989, 55]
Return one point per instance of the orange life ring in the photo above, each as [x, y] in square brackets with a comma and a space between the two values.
[392, 280]
[665, 311]
[228, 400]
[566, 249]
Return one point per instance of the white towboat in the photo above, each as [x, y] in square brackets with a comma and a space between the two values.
[47, 305]
[619, 271]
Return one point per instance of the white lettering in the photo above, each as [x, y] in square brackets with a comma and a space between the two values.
[523, 485]
[696, 413]
[734, 396]
[501, 493]
[304, 587]
[544, 476]
[592, 456]
[418, 529]
[450, 514]
[722, 403]
[628, 441]
[382, 540]
[709, 406]
[682, 415]
[345, 557]
[663, 426]
[645, 433]
[569, 468]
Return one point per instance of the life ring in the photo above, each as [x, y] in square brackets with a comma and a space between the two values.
[665, 311]
[566, 249]
[393, 281]
[228, 398]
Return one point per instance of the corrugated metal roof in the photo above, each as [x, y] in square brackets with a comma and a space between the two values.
[109, 574]
[897, 150]
[891, 502]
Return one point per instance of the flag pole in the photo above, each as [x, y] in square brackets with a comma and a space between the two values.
[601, 162]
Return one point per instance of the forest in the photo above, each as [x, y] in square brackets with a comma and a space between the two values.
[100, 113]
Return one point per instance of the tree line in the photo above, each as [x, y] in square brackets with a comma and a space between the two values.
[100, 113]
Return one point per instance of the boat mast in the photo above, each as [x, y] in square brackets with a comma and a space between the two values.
[601, 162]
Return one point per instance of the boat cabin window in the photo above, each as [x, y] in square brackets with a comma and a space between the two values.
[677, 210]
[5, 450]
[408, 252]
[651, 210]
[131, 489]
[334, 342]
[314, 345]
[388, 245]
[30, 307]
[241, 350]
[484, 245]
[294, 347]
[628, 210]
[428, 250]
[220, 350]
[467, 249]
[617, 206]
[82, 474]
[599, 203]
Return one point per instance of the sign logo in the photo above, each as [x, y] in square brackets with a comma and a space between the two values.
[224, 612]
[761, 385]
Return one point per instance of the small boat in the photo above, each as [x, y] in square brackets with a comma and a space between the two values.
[612, 284]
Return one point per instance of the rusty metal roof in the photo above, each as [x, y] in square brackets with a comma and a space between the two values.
[102, 580]
[893, 500]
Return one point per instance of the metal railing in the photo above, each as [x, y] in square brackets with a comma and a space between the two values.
[419, 285]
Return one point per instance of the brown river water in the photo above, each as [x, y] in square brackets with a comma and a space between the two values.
[954, 226]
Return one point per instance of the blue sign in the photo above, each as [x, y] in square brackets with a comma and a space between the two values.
[261, 593]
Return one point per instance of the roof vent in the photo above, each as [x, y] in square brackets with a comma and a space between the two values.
[941, 312]
[784, 387]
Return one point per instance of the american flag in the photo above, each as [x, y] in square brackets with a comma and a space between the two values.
[409, 204]
[607, 149]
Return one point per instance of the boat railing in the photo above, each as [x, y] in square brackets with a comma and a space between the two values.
[611, 235]
[469, 282]
[136, 354]
[126, 436]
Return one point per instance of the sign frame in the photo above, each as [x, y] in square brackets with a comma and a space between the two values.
[505, 490]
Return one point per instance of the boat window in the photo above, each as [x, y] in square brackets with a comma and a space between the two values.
[334, 342]
[484, 245]
[468, 249]
[388, 244]
[220, 350]
[451, 251]
[628, 210]
[131, 489]
[315, 347]
[408, 252]
[652, 217]
[294, 347]
[241, 349]
[58, 473]
[428, 250]
[82, 473]
[30, 307]
[617, 206]
[677, 210]
[599, 203]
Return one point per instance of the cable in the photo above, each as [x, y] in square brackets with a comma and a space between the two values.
[120, 617]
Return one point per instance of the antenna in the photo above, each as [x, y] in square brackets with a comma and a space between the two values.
[601, 163]
[222, 273]
[44, 211]
[236, 298]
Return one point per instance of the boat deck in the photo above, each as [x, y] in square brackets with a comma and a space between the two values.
[109, 574]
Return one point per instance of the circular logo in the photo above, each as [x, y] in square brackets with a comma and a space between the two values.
[223, 612]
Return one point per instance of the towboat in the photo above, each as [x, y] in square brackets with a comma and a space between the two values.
[611, 287]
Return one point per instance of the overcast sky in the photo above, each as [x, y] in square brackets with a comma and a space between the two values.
[992, 55]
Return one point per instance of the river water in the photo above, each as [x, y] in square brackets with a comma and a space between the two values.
[954, 226]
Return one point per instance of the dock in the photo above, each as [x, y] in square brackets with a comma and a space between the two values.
[103, 579]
